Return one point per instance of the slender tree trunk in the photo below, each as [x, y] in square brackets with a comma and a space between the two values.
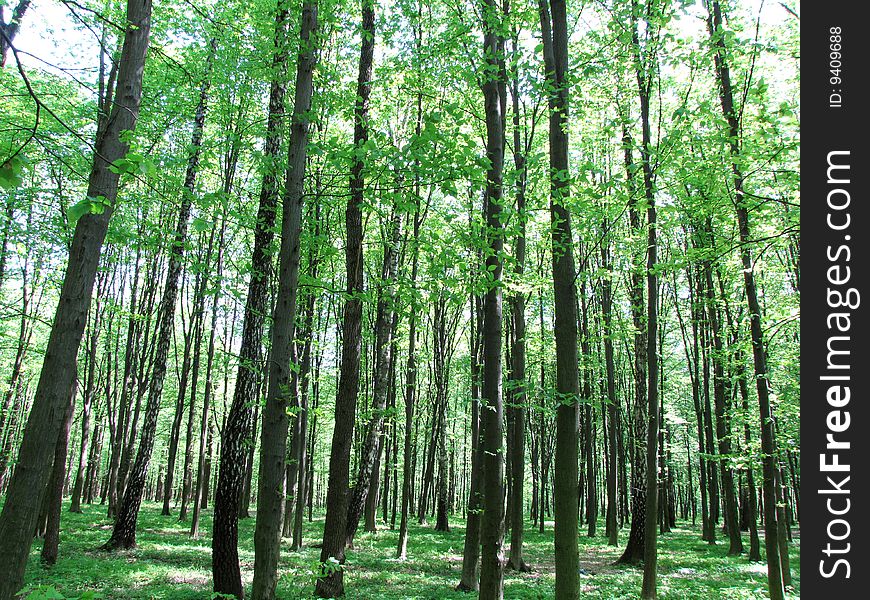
[273, 447]
[55, 486]
[124, 533]
[87, 400]
[226, 575]
[491, 450]
[611, 527]
[555, 47]
[331, 582]
[24, 494]
[410, 374]
[768, 440]
[518, 350]
[372, 444]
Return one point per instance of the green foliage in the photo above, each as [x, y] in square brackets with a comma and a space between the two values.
[169, 565]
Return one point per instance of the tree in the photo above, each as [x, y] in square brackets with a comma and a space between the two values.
[330, 583]
[24, 494]
[124, 533]
[554, 29]
[273, 447]
[226, 575]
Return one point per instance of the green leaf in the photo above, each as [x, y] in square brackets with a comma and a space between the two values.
[11, 172]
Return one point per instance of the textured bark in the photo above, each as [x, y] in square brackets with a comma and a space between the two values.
[304, 381]
[611, 527]
[280, 392]
[24, 495]
[197, 328]
[633, 553]
[518, 347]
[175, 431]
[645, 69]
[768, 440]
[372, 444]
[723, 429]
[87, 400]
[330, 584]
[124, 532]
[491, 453]
[410, 378]
[200, 490]
[226, 575]
[554, 27]
[8, 31]
[51, 539]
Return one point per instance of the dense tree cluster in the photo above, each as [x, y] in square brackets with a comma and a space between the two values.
[510, 265]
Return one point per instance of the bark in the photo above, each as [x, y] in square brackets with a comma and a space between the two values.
[372, 444]
[197, 327]
[491, 452]
[304, 381]
[611, 527]
[410, 377]
[330, 584]
[280, 393]
[9, 30]
[87, 400]
[51, 539]
[554, 27]
[175, 432]
[633, 553]
[518, 350]
[226, 575]
[23, 497]
[723, 432]
[768, 439]
[124, 533]
[645, 70]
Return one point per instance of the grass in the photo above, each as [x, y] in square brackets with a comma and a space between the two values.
[168, 564]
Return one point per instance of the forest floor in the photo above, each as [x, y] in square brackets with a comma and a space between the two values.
[168, 564]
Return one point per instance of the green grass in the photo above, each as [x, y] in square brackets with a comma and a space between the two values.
[169, 564]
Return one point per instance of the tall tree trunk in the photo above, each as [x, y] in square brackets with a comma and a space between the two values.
[55, 486]
[331, 582]
[410, 369]
[372, 444]
[226, 575]
[555, 37]
[611, 527]
[200, 489]
[723, 432]
[175, 432]
[492, 412]
[518, 394]
[124, 532]
[273, 447]
[87, 400]
[768, 439]
[24, 495]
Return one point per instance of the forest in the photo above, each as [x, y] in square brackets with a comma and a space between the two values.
[400, 299]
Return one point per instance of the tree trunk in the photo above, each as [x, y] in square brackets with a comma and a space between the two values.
[768, 440]
[55, 486]
[555, 47]
[226, 575]
[24, 494]
[331, 582]
[491, 450]
[273, 447]
[124, 533]
[372, 444]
